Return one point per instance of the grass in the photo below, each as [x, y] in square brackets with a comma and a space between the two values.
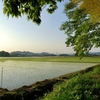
[54, 59]
[81, 87]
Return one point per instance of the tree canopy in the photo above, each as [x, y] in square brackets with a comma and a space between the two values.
[83, 24]
[92, 7]
[4, 54]
[31, 8]
[82, 34]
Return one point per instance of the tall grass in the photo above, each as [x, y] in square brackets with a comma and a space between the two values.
[81, 87]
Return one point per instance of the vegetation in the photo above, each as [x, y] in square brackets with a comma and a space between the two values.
[32, 8]
[81, 87]
[91, 7]
[29, 54]
[82, 29]
[82, 34]
[55, 59]
[4, 54]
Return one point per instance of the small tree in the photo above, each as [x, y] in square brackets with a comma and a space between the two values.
[4, 54]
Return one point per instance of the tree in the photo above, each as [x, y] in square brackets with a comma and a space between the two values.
[4, 54]
[32, 8]
[82, 34]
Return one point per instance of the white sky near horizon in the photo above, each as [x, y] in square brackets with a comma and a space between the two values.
[18, 34]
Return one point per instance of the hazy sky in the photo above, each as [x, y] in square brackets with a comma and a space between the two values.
[22, 35]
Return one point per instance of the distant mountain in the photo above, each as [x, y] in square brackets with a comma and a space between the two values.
[90, 54]
[46, 54]
[28, 54]
[20, 53]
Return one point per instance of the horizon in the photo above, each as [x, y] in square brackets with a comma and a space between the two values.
[48, 52]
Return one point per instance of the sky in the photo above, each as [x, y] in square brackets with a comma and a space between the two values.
[18, 34]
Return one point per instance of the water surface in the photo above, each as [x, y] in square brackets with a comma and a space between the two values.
[19, 73]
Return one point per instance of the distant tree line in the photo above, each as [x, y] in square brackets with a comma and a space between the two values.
[4, 54]
[31, 54]
[23, 54]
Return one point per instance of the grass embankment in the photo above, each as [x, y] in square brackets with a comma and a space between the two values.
[55, 59]
[80, 87]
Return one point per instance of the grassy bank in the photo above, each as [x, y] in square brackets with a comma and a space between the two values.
[80, 87]
[54, 59]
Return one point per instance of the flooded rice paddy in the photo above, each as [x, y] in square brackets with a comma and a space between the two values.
[15, 74]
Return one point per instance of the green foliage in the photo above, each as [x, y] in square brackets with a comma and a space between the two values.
[81, 87]
[55, 59]
[92, 7]
[4, 54]
[82, 35]
[31, 8]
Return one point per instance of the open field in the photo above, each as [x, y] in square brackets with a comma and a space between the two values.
[55, 59]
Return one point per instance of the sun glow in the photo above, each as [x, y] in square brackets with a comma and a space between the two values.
[4, 38]
[4, 41]
[1, 40]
